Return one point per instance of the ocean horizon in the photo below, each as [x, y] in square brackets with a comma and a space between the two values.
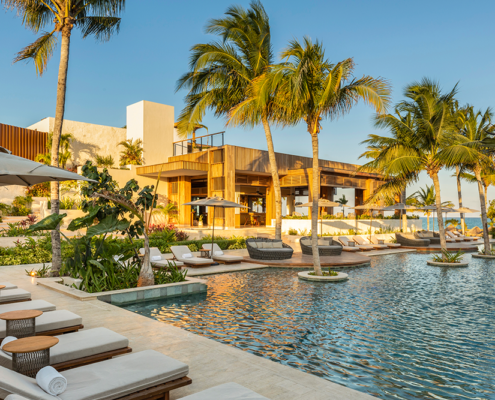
[470, 222]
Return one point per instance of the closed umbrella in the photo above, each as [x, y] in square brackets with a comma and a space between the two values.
[371, 209]
[16, 170]
[214, 202]
[402, 207]
[321, 204]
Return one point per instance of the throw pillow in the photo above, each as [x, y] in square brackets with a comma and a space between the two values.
[322, 242]
[267, 245]
[306, 242]
[277, 244]
[254, 245]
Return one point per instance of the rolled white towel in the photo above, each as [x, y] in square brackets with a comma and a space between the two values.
[51, 381]
[8, 339]
[218, 253]
[156, 258]
[187, 255]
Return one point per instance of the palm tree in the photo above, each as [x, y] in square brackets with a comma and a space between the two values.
[469, 150]
[307, 87]
[104, 161]
[342, 201]
[221, 78]
[167, 210]
[421, 129]
[425, 197]
[98, 18]
[64, 154]
[132, 153]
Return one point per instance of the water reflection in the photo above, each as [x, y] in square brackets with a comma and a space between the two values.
[397, 329]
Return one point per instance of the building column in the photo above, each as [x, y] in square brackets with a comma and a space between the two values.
[229, 176]
[291, 204]
[184, 196]
[270, 203]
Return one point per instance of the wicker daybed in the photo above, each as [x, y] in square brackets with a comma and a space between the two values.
[408, 239]
[270, 249]
[433, 237]
[326, 246]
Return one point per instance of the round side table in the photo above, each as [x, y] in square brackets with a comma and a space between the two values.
[30, 354]
[21, 324]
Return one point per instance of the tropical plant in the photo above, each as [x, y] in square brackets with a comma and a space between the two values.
[421, 132]
[452, 222]
[325, 273]
[221, 79]
[39, 190]
[94, 18]
[104, 161]
[307, 87]
[169, 210]
[425, 197]
[42, 272]
[342, 201]
[132, 153]
[449, 257]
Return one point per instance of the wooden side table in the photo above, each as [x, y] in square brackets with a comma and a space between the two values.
[21, 324]
[2, 287]
[30, 354]
[205, 253]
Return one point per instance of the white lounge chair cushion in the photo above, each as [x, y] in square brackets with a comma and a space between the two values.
[154, 251]
[187, 255]
[227, 391]
[349, 248]
[166, 263]
[105, 380]
[197, 261]
[41, 305]
[15, 397]
[14, 295]
[48, 321]
[223, 256]
[8, 286]
[393, 244]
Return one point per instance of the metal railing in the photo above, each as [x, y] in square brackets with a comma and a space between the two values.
[200, 143]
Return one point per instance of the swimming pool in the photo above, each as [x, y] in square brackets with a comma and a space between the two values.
[397, 329]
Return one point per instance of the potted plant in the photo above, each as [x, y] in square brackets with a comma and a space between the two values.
[200, 220]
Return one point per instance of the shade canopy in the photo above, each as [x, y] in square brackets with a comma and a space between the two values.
[399, 206]
[16, 170]
[214, 202]
[465, 210]
[323, 203]
[434, 208]
[367, 207]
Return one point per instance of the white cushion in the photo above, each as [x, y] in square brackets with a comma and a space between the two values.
[40, 305]
[8, 339]
[218, 253]
[156, 258]
[14, 295]
[187, 255]
[8, 286]
[227, 391]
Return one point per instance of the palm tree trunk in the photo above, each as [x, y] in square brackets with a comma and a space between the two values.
[314, 209]
[275, 179]
[438, 201]
[146, 276]
[459, 194]
[484, 220]
[57, 131]
[486, 197]
[428, 222]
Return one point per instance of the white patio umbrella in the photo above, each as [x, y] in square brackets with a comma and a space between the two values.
[16, 170]
[214, 202]
[371, 209]
[322, 203]
[465, 210]
[434, 209]
[402, 207]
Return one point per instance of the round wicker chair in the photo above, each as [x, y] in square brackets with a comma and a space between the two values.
[335, 249]
[268, 254]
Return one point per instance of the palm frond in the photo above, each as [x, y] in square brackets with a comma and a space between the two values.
[39, 51]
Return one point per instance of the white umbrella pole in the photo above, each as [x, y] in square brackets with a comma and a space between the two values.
[371, 222]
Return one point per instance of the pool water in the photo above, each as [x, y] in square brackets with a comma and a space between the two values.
[398, 329]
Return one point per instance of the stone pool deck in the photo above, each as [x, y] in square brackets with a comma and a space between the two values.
[210, 363]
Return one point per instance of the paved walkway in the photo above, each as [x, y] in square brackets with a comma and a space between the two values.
[211, 363]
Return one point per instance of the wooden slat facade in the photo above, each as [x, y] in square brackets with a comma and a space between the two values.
[23, 142]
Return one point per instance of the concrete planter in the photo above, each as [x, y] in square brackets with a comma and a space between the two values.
[490, 257]
[307, 277]
[446, 264]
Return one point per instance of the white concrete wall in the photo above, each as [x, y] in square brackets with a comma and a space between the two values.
[89, 139]
[153, 123]
[334, 226]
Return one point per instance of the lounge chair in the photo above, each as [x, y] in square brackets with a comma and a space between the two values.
[375, 240]
[345, 242]
[227, 391]
[81, 348]
[450, 235]
[164, 262]
[183, 254]
[410, 240]
[40, 305]
[348, 248]
[364, 242]
[14, 296]
[224, 258]
[139, 376]
[326, 246]
[465, 238]
[52, 323]
[8, 285]
[268, 249]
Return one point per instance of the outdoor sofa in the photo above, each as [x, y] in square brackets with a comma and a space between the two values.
[218, 254]
[268, 249]
[364, 242]
[326, 246]
[183, 254]
[409, 239]
[81, 348]
[138, 376]
[375, 240]
[433, 237]
[52, 323]
[14, 296]
[40, 305]
[163, 261]
[227, 391]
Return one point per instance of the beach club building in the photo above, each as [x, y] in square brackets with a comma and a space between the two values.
[197, 167]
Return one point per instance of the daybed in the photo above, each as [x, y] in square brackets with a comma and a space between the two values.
[220, 256]
[326, 246]
[183, 254]
[40, 305]
[14, 296]
[139, 376]
[409, 239]
[268, 249]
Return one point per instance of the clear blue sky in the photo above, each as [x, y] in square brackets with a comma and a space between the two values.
[449, 41]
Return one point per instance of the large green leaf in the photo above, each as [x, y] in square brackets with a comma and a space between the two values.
[47, 224]
[107, 225]
[85, 220]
